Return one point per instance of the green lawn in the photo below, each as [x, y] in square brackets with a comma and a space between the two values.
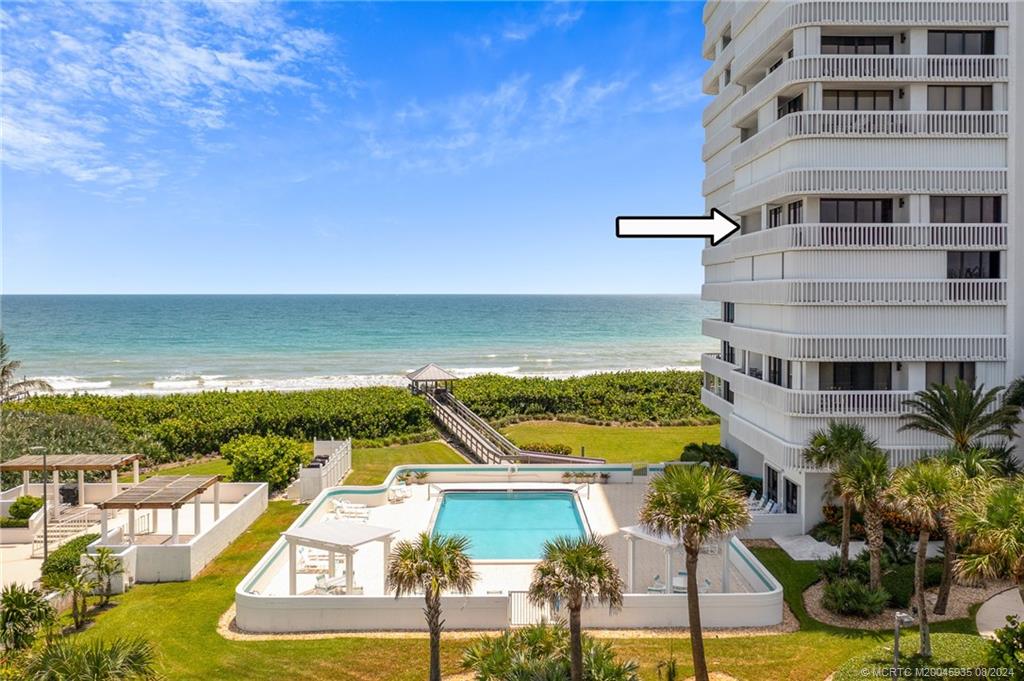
[371, 466]
[217, 466]
[617, 444]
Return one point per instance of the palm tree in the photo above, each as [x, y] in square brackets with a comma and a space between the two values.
[121, 659]
[695, 504]
[993, 524]
[960, 414]
[10, 387]
[23, 612]
[576, 571]
[1015, 393]
[864, 477]
[922, 493]
[828, 448]
[78, 586]
[435, 565]
[102, 566]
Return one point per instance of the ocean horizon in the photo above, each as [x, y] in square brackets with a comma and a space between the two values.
[171, 343]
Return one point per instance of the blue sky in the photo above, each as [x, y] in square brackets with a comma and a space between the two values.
[336, 148]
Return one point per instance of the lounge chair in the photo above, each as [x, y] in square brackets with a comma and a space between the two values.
[679, 585]
[657, 586]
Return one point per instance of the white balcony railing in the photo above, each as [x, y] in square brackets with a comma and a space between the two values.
[822, 402]
[860, 292]
[713, 26]
[947, 124]
[874, 68]
[869, 181]
[754, 45]
[716, 328]
[813, 236]
[712, 363]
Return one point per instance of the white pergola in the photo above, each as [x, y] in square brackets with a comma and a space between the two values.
[668, 543]
[59, 463]
[334, 536]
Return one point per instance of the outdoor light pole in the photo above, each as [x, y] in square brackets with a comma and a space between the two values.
[46, 511]
[902, 620]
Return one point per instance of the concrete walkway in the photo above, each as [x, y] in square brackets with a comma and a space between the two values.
[992, 613]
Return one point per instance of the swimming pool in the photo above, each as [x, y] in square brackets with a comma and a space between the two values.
[509, 525]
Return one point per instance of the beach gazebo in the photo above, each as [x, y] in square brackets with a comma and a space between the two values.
[169, 492]
[633, 533]
[429, 378]
[334, 536]
[80, 463]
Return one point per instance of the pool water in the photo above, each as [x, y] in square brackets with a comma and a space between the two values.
[508, 525]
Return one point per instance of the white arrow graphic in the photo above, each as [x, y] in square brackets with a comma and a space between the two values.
[716, 226]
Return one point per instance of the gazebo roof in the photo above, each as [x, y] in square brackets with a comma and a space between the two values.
[69, 462]
[162, 491]
[640, 532]
[431, 372]
[334, 535]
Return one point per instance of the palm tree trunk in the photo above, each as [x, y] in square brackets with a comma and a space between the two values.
[844, 542]
[433, 613]
[575, 644]
[949, 555]
[922, 608]
[700, 664]
[873, 527]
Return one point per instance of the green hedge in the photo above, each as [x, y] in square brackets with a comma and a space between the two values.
[64, 562]
[186, 425]
[24, 506]
[13, 522]
[264, 458]
[952, 652]
[635, 396]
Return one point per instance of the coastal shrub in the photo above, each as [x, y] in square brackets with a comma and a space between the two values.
[827, 532]
[751, 484]
[847, 596]
[271, 459]
[13, 522]
[658, 397]
[63, 563]
[828, 568]
[199, 423]
[1008, 647]
[899, 582]
[24, 506]
[953, 656]
[709, 452]
[548, 447]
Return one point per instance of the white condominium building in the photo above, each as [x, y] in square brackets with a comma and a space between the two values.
[872, 153]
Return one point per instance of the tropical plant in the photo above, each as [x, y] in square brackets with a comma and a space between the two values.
[78, 587]
[709, 452]
[1008, 648]
[961, 414]
[991, 522]
[121, 659]
[848, 596]
[924, 492]
[23, 612]
[695, 504]
[1014, 394]
[11, 389]
[828, 449]
[66, 560]
[863, 478]
[102, 567]
[435, 564]
[540, 652]
[24, 506]
[576, 571]
[271, 459]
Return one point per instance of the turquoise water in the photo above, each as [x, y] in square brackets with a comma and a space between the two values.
[508, 525]
[175, 343]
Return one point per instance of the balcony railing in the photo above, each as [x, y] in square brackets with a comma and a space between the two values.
[951, 124]
[812, 236]
[713, 363]
[716, 328]
[884, 68]
[860, 292]
[822, 402]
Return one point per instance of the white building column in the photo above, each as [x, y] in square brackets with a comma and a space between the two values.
[103, 526]
[349, 572]
[113, 482]
[668, 569]
[332, 557]
[216, 501]
[725, 564]
[56, 494]
[292, 567]
[131, 525]
[174, 525]
[26, 478]
[630, 562]
[135, 471]
[81, 488]
[154, 520]
[198, 516]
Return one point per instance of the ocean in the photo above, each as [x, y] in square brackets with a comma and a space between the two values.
[181, 343]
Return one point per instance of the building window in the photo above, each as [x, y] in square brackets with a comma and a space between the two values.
[774, 217]
[726, 39]
[856, 210]
[856, 44]
[775, 370]
[959, 97]
[972, 264]
[791, 105]
[771, 483]
[792, 493]
[728, 312]
[776, 64]
[855, 376]
[857, 100]
[727, 389]
[961, 42]
[795, 213]
[966, 209]
[728, 76]
[948, 373]
[728, 352]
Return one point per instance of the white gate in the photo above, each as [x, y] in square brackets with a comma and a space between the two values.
[521, 612]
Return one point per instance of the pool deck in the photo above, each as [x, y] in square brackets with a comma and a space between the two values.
[606, 509]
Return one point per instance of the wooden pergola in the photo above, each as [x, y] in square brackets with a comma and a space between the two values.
[431, 377]
[165, 492]
[80, 463]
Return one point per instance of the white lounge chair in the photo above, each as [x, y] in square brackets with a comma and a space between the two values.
[657, 586]
[679, 585]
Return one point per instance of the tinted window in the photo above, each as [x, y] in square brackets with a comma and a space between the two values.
[966, 209]
[961, 42]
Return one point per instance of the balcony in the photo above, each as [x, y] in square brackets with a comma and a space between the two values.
[822, 402]
[716, 328]
[871, 68]
[715, 402]
[944, 124]
[714, 25]
[860, 292]
[713, 363]
[864, 236]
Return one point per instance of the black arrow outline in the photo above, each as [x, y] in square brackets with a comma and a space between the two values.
[710, 218]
